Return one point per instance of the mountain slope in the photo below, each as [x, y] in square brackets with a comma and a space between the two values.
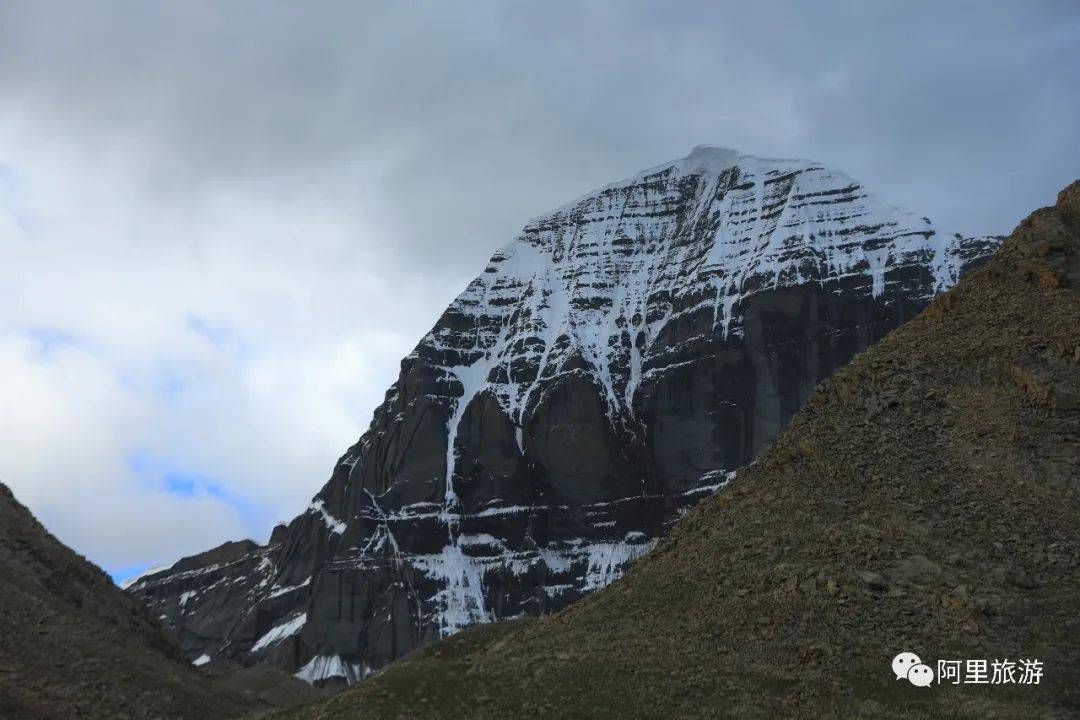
[72, 645]
[925, 499]
[562, 413]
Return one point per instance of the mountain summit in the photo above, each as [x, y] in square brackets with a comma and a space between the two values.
[925, 499]
[609, 367]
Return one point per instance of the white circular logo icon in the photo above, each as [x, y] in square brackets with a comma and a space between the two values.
[904, 662]
[920, 675]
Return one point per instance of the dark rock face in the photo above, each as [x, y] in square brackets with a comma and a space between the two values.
[568, 406]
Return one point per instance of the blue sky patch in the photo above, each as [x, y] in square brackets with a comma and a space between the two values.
[48, 339]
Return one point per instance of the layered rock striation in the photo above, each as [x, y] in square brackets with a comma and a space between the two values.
[613, 364]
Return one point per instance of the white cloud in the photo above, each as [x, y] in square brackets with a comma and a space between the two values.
[68, 425]
[240, 339]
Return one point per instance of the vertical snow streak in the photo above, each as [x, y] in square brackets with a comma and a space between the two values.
[588, 278]
[583, 273]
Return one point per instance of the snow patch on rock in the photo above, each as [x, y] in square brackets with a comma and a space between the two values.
[325, 667]
[280, 632]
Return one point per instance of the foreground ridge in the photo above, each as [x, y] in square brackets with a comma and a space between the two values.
[72, 645]
[565, 408]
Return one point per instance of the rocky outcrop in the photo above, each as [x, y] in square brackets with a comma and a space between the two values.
[609, 367]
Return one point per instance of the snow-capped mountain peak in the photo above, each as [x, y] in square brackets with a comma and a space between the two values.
[614, 362]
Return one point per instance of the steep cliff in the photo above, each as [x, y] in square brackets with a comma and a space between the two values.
[610, 367]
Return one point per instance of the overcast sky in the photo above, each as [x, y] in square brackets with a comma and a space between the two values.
[223, 224]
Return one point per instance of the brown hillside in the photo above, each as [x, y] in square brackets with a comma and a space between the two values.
[73, 646]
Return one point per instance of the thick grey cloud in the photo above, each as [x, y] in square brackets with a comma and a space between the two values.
[448, 124]
[222, 223]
